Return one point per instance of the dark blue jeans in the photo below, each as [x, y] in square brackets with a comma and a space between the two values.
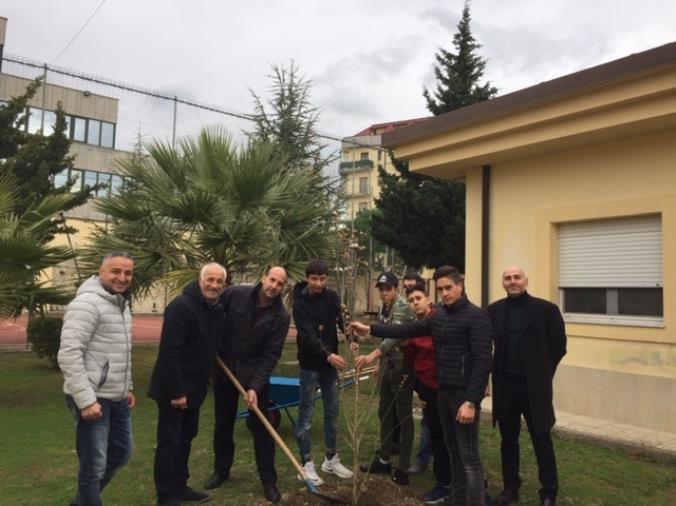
[327, 380]
[462, 441]
[103, 446]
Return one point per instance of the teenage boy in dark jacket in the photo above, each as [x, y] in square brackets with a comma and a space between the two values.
[256, 325]
[316, 313]
[191, 332]
[462, 336]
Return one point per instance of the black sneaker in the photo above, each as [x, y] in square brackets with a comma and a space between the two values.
[190, 495]
[376, 467]
[400, 477]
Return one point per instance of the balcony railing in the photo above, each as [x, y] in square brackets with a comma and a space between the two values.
[355, 166]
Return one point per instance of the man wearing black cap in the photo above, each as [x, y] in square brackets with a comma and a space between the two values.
[396, 384]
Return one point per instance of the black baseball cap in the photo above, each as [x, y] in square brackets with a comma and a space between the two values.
[387, 278]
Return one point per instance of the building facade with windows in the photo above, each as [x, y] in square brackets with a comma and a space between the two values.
[361, 155]
[91, 127]
[575, 180]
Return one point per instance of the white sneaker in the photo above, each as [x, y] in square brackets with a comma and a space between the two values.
[309, 468]
[334, 466]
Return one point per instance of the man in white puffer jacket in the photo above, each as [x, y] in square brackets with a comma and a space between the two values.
[95, 358]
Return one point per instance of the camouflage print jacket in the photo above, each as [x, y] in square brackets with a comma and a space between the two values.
[391, 348]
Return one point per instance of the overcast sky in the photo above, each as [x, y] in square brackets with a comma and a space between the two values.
[369, 59]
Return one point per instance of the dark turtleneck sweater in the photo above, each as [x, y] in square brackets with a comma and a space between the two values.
[513, 365]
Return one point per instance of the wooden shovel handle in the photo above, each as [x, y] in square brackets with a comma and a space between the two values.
[263, 420]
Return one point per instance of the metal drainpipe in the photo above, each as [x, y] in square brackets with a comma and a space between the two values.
[485, 232]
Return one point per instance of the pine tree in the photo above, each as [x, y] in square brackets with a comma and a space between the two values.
[421, 217]
[289, 121]
[458, 73]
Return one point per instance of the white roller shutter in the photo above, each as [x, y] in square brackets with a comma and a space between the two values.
[625, 252]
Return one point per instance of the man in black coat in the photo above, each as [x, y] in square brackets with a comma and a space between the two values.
[191, 332]
[530, 341]
[256, 326]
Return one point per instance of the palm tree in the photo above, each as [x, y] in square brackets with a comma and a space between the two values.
[24, 253]
[208, 200]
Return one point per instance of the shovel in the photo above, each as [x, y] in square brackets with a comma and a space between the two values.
[308, 483]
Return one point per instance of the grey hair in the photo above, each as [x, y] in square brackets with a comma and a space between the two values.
[117, 254]
[204, 268]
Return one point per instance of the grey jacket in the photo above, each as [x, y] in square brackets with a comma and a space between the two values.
[95, 350]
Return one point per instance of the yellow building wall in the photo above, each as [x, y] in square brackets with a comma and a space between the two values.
[625, 373]
[350, 179]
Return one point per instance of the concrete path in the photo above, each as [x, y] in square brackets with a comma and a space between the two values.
[652, 443]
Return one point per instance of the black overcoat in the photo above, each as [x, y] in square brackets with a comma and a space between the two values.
[543, 347]
[252, 346]
[191, 332]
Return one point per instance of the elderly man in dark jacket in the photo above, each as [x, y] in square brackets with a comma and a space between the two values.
[462, 337]
[530, 341]
[191, 332]
[256, 325]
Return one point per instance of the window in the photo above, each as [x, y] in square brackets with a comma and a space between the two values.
[363, 206]
[105, 179]
[61, 178]
[79, 129]
[107, 134]
[380, 154]
[90, 178]
[69, 120]
[610, 271]
[50, 122]
[364, 156]
[93, 131]
[116, 185]
[363, 185]
[76, 175]
[34, 120]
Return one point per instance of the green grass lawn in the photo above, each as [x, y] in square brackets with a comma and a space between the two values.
[38, 464]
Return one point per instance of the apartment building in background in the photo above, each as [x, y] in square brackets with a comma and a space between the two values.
[361, 155]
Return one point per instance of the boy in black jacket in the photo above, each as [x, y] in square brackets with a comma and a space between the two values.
[316, 312]
[191, 331]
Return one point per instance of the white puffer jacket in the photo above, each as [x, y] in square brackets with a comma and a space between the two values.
[95, 350]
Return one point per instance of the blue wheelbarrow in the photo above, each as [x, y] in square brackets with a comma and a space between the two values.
[285, 393]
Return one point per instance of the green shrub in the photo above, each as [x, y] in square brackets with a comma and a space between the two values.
[44, 333]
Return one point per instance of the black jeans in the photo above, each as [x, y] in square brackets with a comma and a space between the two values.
[462, 442]
[514, 403]
[442, 463]
[226, 398]
[176, 429]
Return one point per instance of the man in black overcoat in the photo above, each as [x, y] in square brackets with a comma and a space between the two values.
[530, 341]
[191, 332]
[256, 326]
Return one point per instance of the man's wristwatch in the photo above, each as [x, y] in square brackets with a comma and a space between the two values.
[470, 404]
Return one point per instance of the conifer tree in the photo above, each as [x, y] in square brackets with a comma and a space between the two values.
[421, 217]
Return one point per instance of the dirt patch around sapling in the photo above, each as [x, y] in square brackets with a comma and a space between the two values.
[376, 491]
